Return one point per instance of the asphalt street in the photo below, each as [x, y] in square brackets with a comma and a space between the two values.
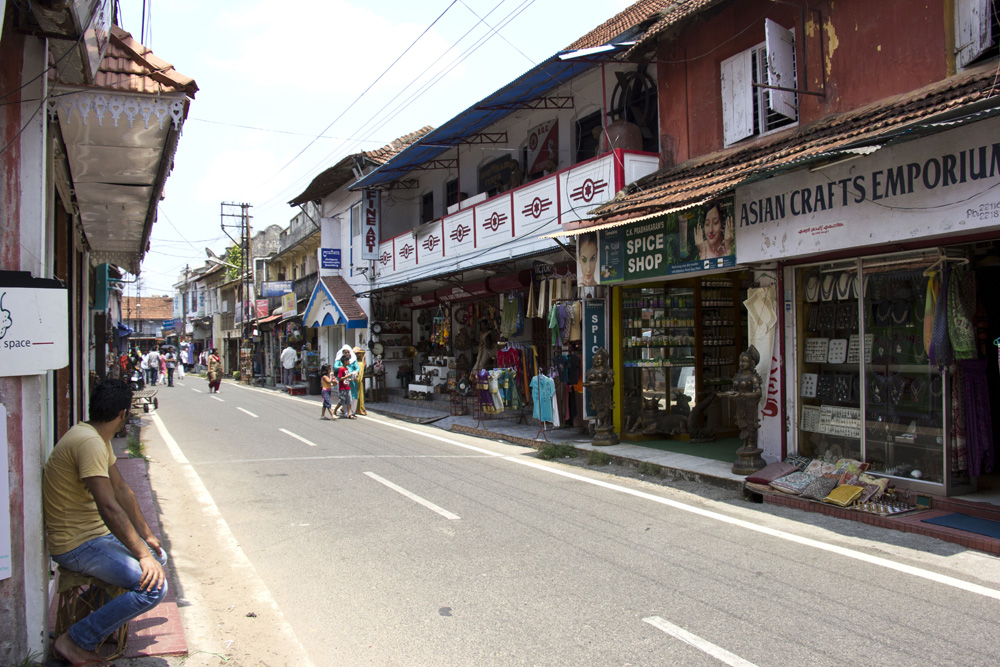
[386, 543]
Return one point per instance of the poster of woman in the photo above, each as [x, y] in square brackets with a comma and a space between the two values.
[713, 235]
[586, 253]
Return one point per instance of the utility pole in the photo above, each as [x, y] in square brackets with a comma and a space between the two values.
[230, 214]
[184, 319]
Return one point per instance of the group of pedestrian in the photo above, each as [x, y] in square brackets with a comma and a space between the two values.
[159, 368]
[347, 374]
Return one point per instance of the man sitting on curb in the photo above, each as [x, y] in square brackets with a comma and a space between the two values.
[93, 524]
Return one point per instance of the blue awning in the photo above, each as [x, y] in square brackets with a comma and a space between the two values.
[530, 86]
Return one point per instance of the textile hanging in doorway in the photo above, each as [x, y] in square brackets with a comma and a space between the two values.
[762, 317]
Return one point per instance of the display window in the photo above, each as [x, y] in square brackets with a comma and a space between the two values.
[877, 370]
[680, 345]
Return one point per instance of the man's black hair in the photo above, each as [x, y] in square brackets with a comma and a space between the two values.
[108, 399]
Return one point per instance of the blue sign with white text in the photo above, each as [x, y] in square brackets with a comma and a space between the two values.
[330, 258]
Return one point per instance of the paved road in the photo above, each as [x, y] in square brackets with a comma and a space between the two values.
[385, 543]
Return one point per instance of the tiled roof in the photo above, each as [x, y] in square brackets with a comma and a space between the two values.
[710, 175]
[671, 16]
[620, 23]
[345, 297]
[148, 307]
[343, 172]
[129, 66]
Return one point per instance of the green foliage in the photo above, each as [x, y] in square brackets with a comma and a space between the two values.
[33, 660]
[234, 255]
[236, 375]
[651, 469]
[550, 452]
[134, 446]
[596, 457]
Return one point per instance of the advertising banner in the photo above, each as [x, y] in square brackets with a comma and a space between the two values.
[288, 306]
[543, 147]
[34, 334]
[700, 238]
[276, 287]
[594, 338]
[330, 258]
[261, 308]
[371, 224]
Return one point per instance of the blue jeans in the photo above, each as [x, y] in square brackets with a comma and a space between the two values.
[109, 560]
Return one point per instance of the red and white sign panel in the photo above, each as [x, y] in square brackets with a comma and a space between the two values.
[371, 215]
[536, 208]
[543, 147]
[459, 233]
[494, 222]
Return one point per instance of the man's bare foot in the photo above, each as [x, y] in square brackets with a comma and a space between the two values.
[67, 648]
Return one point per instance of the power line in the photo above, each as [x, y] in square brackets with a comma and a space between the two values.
[365, 91]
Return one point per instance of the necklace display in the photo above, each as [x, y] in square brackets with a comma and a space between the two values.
[826, 291]
[897, 387]
[812, 290]
[900, 312]
[844, 286]
[883, 312]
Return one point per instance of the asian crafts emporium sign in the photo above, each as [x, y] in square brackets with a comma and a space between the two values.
[34, 333]
[696, 239]
[938, 186]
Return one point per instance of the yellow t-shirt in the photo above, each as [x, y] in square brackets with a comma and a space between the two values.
[71, 516]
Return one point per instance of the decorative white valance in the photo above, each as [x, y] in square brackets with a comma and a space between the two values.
[147, 107]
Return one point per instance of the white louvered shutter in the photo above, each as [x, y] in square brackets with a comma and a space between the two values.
[780, 47]
[737, 98]
[975, 30]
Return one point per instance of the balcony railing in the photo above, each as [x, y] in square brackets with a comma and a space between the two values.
[527, 212]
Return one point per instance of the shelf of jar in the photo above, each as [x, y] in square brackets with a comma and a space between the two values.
[719, 362]
[659, 346]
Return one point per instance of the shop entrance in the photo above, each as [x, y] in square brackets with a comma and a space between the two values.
[681, 342]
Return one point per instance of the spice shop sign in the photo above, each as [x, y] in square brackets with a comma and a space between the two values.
[34, 333]
[939, 186]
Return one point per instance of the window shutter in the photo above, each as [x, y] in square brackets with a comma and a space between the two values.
[780, 47]
[974, 28]
[737, 98]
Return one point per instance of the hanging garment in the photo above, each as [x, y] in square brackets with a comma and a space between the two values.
[555, 410]
[576, 329]
[542, 390]
[961, 310]
[978, 417]
[554, 325]
[761, 307]
[494, 377]
[531, 310]
[542, 307]
[930, 301]
[483, 386]
[510, 312]
[940, 349]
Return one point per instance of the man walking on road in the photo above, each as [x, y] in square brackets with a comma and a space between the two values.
[153, 361]
[288, 357]
[93, 524]
[171, 359]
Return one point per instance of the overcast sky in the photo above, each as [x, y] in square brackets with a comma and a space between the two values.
[272, 81]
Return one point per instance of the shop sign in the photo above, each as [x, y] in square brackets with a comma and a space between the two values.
[699, 238]
[371, 204]
[201, 303]
[276, 287]
[288, 306]
[499, 175]
[543, 147]
[34, 334]
[261, 308]
[594, 338]
[330, 258]
[938, 186]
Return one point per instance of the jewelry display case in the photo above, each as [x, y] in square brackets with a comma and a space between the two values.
[867, 389]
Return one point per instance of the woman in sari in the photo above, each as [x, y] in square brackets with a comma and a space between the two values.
[214, 371]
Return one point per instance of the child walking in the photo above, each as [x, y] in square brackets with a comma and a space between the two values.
[344, 387]
[327, 380]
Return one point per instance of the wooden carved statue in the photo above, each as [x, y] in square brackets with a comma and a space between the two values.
[600, 381]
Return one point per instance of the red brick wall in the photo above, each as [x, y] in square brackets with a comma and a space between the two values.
[872, 50]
